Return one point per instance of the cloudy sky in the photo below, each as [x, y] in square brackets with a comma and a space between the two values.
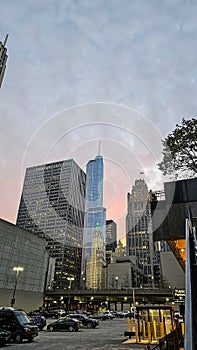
[120, 71]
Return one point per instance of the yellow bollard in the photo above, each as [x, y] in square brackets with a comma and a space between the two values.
[161, 329]
[183, 328]
[154, 330]
[128, 324]
[144, 329]
[136, 332]
[149, 332]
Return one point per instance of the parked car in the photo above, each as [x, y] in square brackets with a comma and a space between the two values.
[86, 321]
[65, 323]
[53, 313]
[84, 312]
[37, 319]
[109, 315]
[118, 314]
[18, 324]
[126, 313]
[99, 316]
[5, 336]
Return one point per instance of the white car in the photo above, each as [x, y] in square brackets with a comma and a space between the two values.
[109, 315]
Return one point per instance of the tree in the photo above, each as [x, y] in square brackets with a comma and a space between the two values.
[180, 150]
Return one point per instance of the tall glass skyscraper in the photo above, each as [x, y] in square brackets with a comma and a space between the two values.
[53, 205]
[95, 213]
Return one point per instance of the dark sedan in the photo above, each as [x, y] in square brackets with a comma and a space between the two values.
[54, 313]
[86, 321]
[64, 323]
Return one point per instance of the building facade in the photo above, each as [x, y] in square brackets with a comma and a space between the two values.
[120, 250]
[95, 270]
[95, 213]
[52, 205]
[3, 59]
[121, 273]
[111, 239]
[139, 233]
[22, 248]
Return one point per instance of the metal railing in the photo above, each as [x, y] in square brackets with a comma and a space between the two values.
[171, 341]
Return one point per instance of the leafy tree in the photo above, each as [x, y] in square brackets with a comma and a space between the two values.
[180, 150]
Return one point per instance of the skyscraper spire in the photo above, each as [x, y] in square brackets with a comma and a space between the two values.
[99, 148]
[6, 38]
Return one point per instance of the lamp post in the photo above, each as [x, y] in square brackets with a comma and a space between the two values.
[133, 290]
[83, 282]
[17, 269]
[70, 279]
[116, 282]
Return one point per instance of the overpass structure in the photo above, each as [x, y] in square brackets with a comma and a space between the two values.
[116, 299]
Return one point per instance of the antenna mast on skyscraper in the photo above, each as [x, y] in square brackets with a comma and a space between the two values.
[6, 38]
[99, 148]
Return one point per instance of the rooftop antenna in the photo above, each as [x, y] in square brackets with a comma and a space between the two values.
[6, 38]
[99, 148]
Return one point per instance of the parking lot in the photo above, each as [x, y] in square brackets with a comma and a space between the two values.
[109, 335]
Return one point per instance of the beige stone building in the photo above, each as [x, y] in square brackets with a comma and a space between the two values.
[96, 263]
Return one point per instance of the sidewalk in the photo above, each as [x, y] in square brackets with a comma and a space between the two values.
[139, 346]
[133, 345]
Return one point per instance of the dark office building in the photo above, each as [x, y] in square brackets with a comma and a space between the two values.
[52, 205]
[3, 59]
[111, 239]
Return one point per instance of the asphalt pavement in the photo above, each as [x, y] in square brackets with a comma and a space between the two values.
[108, 336]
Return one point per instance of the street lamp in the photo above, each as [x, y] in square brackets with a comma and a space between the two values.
[70, 279]
[83, 282]
[134, 303]
[17, 269]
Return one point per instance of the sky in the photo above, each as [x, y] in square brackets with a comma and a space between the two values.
[79, 71]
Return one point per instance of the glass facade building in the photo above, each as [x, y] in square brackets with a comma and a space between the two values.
[111, 239]
[111, 235]
[52, 205]
[95, 212]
